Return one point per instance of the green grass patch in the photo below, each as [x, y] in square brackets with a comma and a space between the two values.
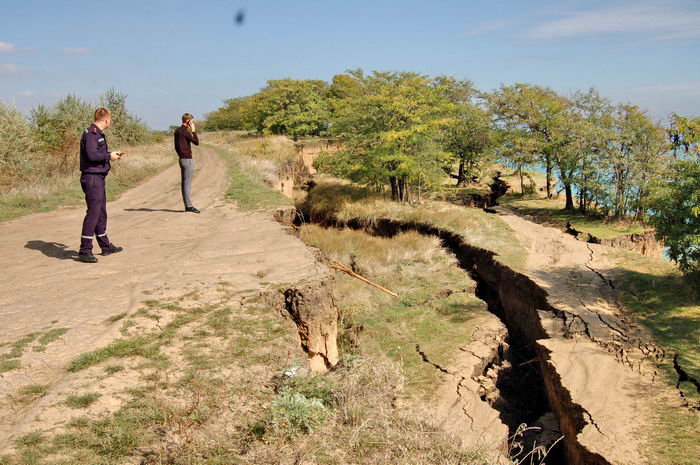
[138, 346]
[146, 346]
[49, 337]
[9, 365]
[663, 301]
[34, 390]
[82, 400]
[247, 190]
[676, 439]
[669, 306]
[30, 440]
[115, 318]
[18, 347]
[112, 369]
[551, 211]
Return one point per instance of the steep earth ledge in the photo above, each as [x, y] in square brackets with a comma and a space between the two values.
[574, 357]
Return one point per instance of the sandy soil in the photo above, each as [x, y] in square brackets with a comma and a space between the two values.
[166, 253]
[605, 361]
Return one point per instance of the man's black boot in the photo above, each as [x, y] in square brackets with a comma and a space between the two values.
[87, 258]
[111, 249]
[192, 209]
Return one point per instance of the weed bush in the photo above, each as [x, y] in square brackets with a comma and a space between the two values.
[293, 413]
[15, 144]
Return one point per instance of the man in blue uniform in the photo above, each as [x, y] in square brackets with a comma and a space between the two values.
[94, 166]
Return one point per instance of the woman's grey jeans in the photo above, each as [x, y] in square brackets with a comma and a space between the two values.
[187, 171]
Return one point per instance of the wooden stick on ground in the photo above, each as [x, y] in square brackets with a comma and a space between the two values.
[347, 270]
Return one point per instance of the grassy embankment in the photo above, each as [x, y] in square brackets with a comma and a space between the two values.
[45, 193]
[254, 166]
[204, 383]
[669, 306]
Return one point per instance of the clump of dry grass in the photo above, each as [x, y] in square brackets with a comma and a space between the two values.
[342, 200]
[271, 159]
[367, 426]
[42, 191]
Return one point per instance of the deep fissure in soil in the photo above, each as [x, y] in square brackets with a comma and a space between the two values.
[522, 395]
[531, 386]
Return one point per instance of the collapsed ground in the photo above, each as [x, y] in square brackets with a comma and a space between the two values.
[422, 379]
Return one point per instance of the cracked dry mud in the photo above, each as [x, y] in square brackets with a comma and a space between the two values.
[167, 253]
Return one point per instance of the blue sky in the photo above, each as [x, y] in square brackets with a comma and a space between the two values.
[176, 56]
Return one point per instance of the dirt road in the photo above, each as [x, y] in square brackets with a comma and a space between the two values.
[166, 253]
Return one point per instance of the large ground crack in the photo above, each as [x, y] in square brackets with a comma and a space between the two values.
[684, 376]
[529, 384]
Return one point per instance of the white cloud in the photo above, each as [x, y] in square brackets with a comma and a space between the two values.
[678, 88]
[27, 93]
[667, 22]
[6, 47]
[74, 50]
[6, 69]
[490, 26]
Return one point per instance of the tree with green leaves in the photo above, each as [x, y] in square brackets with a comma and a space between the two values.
[16, 144]
[685, 134]
[541, 112]
[593, 114]
[676, 213]
[469, 136]
[390, 132]
[126, 129]
[517, 148]
[634, 156]
[227, 117]
[675, 201]
[291, 107]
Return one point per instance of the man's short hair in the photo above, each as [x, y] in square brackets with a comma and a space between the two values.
[187, 117]
[101, 114]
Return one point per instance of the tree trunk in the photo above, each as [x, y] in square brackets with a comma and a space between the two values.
[569, 197]
[402, 189]
[522, 184]
[460, 174]
[548, 160]
[582, 200]
[394, 188]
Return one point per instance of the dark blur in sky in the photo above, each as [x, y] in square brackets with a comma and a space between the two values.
[177, 56]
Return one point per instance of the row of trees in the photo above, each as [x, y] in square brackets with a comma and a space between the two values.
[406, 131]
[48, 141]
